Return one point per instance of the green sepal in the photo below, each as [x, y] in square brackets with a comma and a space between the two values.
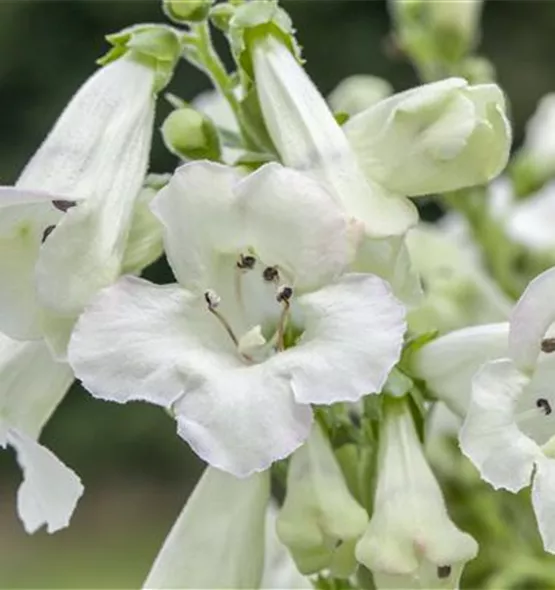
[156, 46]
[186, 11]
[341, 117]
[254, 20]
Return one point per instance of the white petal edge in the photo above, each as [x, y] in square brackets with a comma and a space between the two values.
[353, 337]
[490, 436]
[531, 317]
[543, 500]
[49, 491]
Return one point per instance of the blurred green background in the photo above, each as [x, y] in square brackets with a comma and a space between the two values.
[137, 473]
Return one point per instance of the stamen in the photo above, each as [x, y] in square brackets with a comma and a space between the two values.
[544, 405]
[47, 232]
[213, 300]
[246, 262]
[63, 205]
[548, 345]
[270, 274]
[283, 296]
[443, 571]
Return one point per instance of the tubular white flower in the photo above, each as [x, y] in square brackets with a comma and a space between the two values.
[509, 425]
[31, 387]
[320, 521]
[218, 539]
[268, 250]
[438, 137]
[410, 541]
[54, 255]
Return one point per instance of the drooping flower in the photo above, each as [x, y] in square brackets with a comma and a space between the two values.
[31, 386]
[218, 539]
[410, 541]
[72, 223]
[65, 222]
[320, 521]
[263, 323]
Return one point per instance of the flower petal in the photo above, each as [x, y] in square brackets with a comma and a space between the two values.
[449, 363]
[531, 317]
[196, 209]
[544, 501]
[140, 341]
[308, 138]
[218, 539]
[353, 335]
[293, 221]
[50, 490]
[490, 436]
[242, 420]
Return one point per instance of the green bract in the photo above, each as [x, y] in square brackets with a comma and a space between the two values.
[157, 46]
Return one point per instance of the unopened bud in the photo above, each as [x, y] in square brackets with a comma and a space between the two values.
[191, 135]
[183, 11]
[220, 16]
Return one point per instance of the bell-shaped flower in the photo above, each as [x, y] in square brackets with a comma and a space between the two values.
[218, 539]
[31, 386]
[438, 137]
[65, 222]
[320, 521]
[410, 541]
[263, 323]
[457, 290]
[509, 430]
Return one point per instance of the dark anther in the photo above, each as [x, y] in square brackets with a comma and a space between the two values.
[284, 294]
[270, 274]
[443, 571]
[212, 299]
[47, 232]
[548, 345]
[246, 262]
[64, 205]
[544, 405]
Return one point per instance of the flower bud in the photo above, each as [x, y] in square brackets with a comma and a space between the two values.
[410, 541]
[184, 11]
[221, 15]
[320, 521]
[191, 135]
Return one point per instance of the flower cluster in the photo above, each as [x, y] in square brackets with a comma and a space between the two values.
[299, 339]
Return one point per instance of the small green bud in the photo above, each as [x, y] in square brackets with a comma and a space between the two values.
[191, 135]
[221, 15]
[184, 11]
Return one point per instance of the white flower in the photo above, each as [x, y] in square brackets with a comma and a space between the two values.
[31, 386]
[434, 138]
[539, 142]
[54, 255]
[218, 539]
[320, 521]
[261, 256]
[509, 427]
[410, 541]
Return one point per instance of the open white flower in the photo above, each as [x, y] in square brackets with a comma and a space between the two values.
[509, 428]
[435, 138]
[31, 386]
[218, 539]
[410, 541]
[320, 521]
[263, 323]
